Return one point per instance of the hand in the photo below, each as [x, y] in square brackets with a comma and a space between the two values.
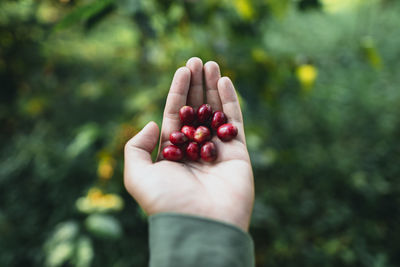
[222, 190]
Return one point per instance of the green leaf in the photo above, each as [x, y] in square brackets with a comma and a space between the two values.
[84, 252]
[85, 137]
[83, 13]
[59, 248]
[64, 232]
[104, 226]
[60, 254]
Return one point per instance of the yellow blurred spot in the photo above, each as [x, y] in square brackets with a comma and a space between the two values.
[306, 74]
[371, 52]
[105, 169]
[47, 13]
[259, 55]
[110, 201]
[96, 201]
[94, 194]
[35, 106]
[244, 9]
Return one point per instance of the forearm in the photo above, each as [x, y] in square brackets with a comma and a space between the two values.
[180, 240]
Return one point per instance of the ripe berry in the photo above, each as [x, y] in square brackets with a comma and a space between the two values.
[227, 132]
[218, 119]
[204, 113]
[202, 134]
[178, 138]
[188, 131]
[173, 153]
[192, 151]
[208, 152]
[187, 114]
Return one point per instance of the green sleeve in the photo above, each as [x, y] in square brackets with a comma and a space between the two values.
[178, 240]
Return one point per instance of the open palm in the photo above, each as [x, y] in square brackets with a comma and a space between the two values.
[222, 190]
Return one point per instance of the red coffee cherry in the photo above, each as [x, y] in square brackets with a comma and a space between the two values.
[192, 151]
[208, 152]
[188, 131]
[178, 138]
[173, 153]
[218, 119]
[204, 113]
[227, 132]
[187, 115]
[202, 134]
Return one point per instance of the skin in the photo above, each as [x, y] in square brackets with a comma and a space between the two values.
[222, 190]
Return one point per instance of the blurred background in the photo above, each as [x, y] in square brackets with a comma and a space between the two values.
[319, 87]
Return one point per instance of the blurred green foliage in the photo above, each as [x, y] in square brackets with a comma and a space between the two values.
[319, 85]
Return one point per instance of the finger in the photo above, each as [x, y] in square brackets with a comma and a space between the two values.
[212, 75]
[195, 95]
[230, 105]
[175, 100]
[138, 149]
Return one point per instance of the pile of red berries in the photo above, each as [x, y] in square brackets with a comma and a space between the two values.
[193, 140]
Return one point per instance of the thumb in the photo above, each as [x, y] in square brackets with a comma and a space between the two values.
[138, 149]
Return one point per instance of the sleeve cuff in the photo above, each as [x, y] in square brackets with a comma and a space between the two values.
[185, 240]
